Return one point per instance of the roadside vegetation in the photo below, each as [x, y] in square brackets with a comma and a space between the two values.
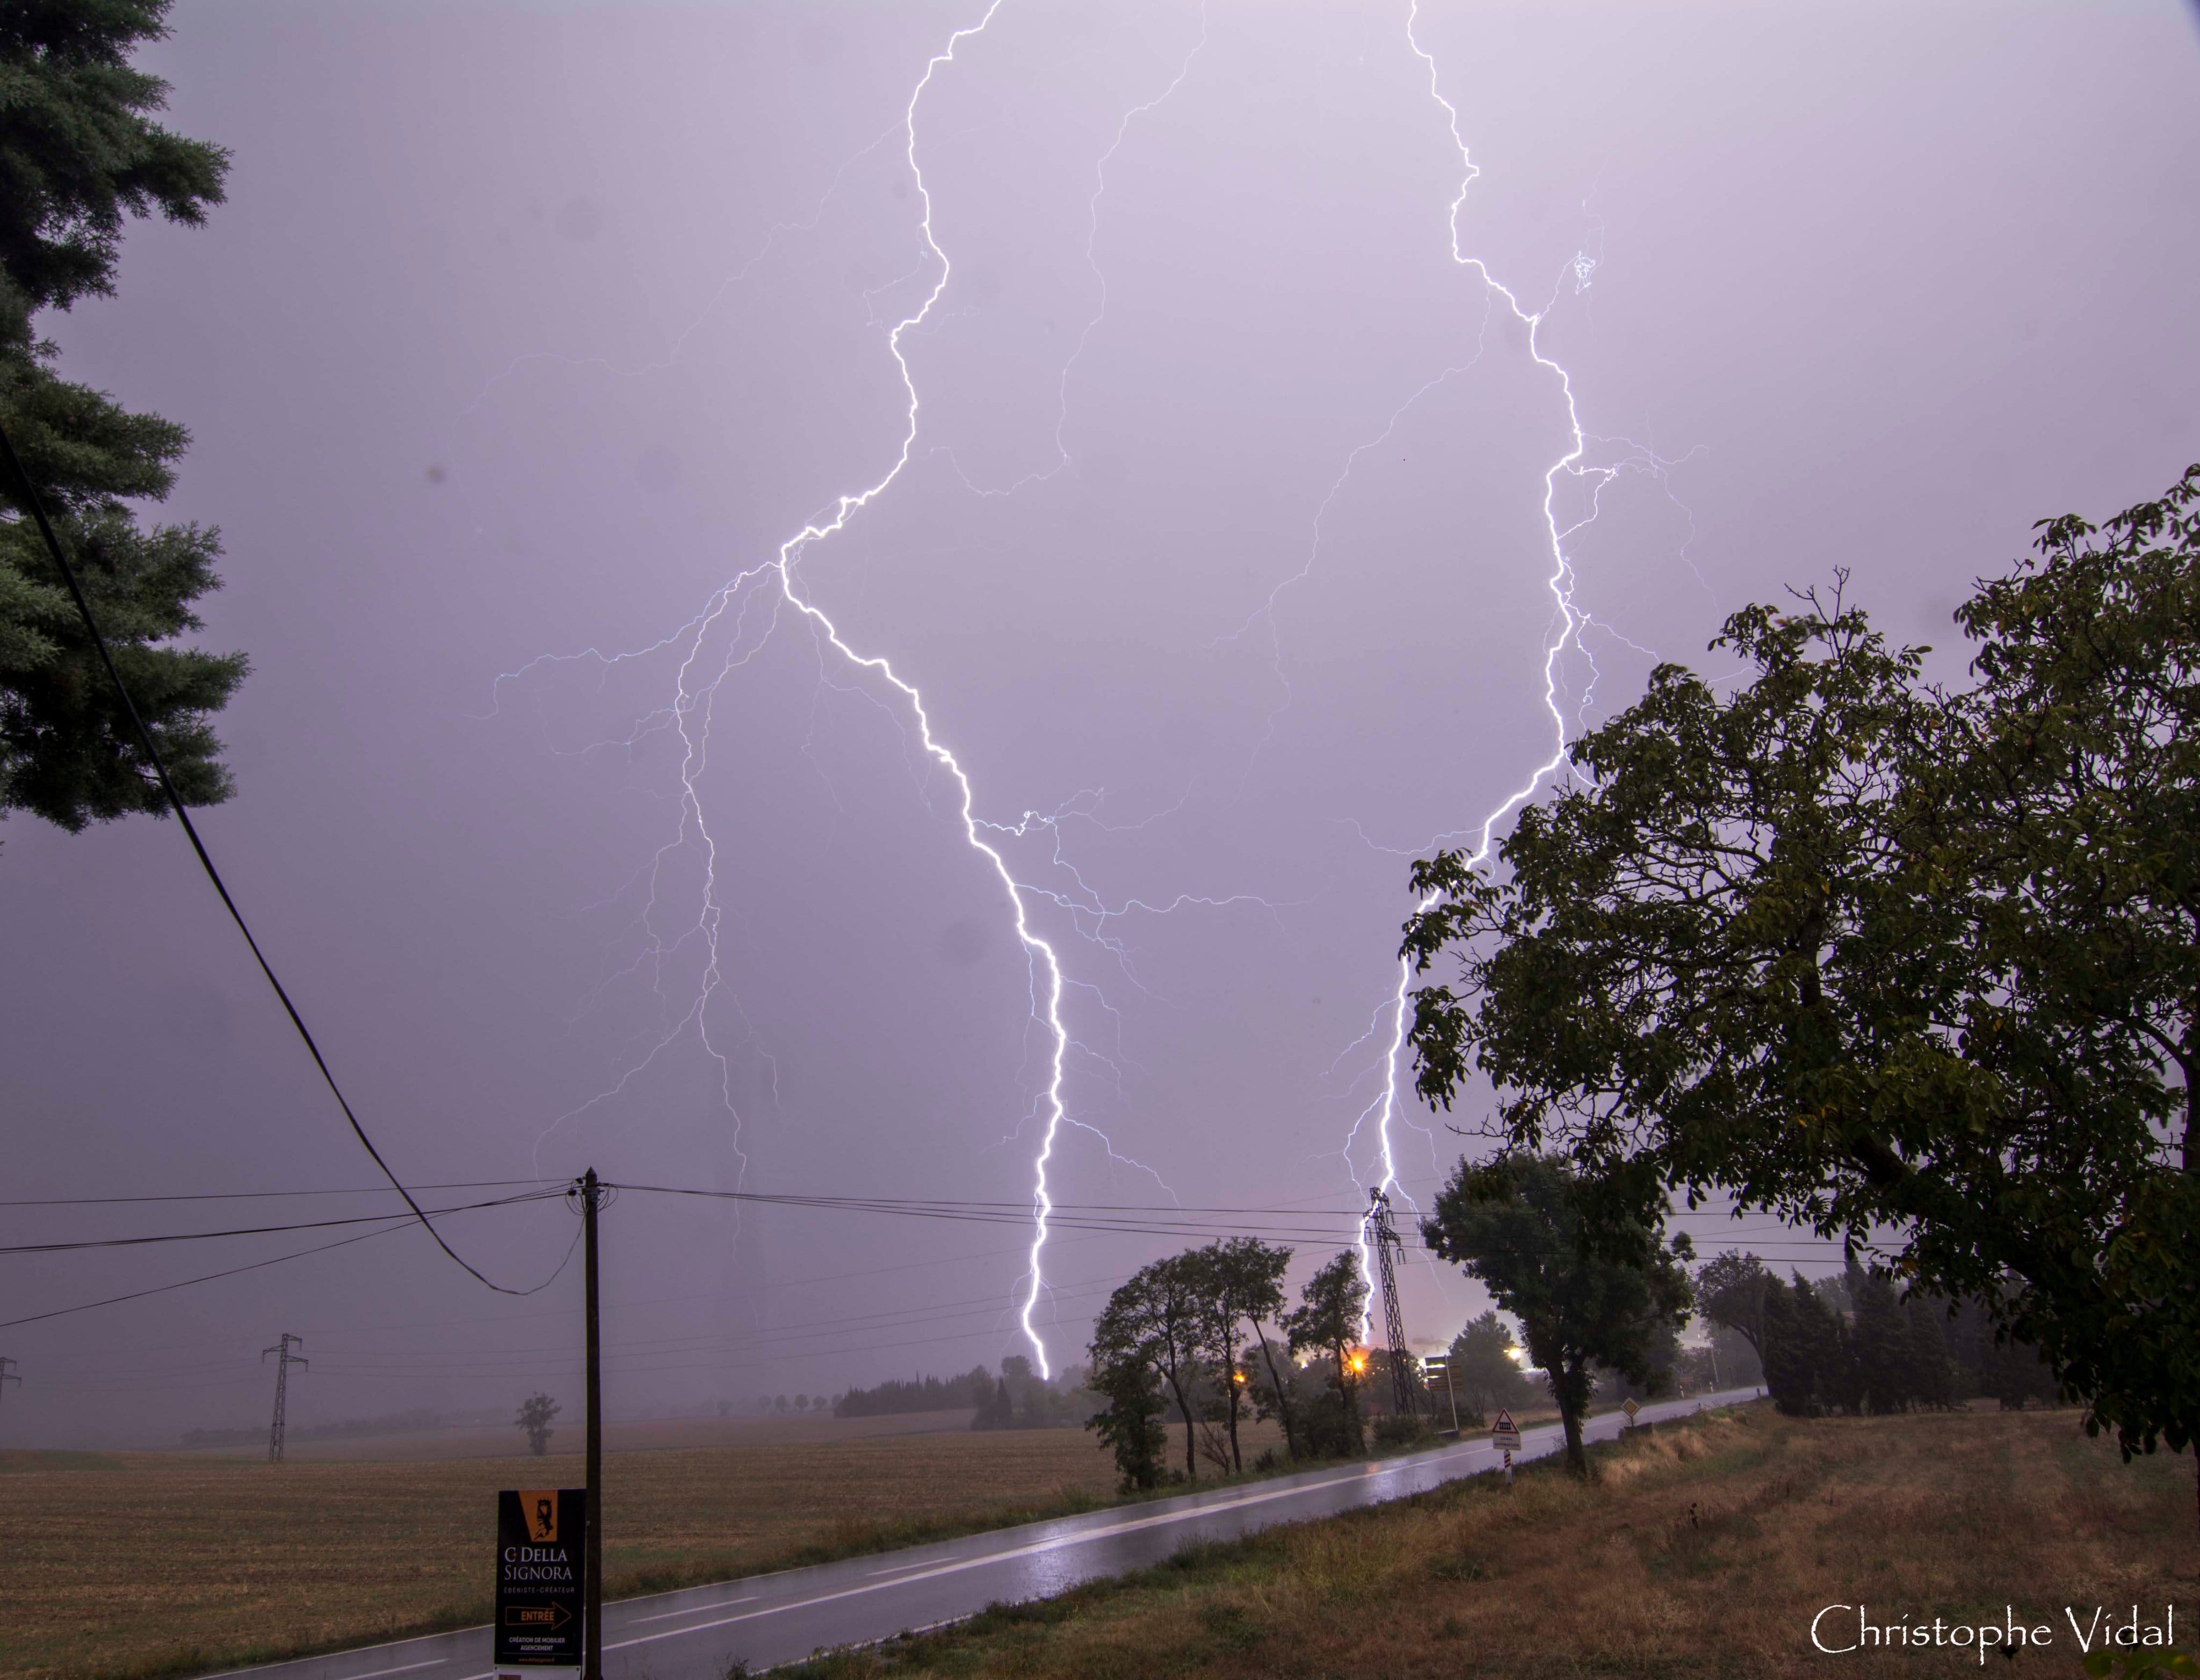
[1912, 965]
[1699, 1549]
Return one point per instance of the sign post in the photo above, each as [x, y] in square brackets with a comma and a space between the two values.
[541, 1563]
[1503, 1435]
[1631, 1408]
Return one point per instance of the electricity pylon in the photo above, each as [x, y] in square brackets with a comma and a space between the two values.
[1383, 1237]
[285, 1359]
[7, 1374]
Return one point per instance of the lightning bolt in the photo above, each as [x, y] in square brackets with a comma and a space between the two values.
[1567, 623]
[773, 591]
[736, 621]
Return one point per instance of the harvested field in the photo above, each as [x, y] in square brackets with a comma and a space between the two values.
[140, 1563]
[1704, 1549]
[501, 1440]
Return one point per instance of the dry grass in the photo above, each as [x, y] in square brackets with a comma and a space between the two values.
[1701, 1550]
[138, 1564]
[620, 1436]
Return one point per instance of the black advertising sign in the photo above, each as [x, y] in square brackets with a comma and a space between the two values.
[541, 1545]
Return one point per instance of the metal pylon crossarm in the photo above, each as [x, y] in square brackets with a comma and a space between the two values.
[1383, 1237]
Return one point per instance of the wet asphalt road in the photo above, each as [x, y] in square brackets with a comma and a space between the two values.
[697, 1634]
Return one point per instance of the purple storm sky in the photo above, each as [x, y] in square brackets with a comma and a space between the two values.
[1219, 558]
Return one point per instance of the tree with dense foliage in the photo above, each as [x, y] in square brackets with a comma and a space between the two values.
[2065, 793]
[1331, 1307]
[1482, 1370]
[1874, 956]
[1240, 1281]
[1160, 1317]
[1730, 1292]
[534, 1414]
[1130, 1423]
[80, 153]
[1880, 1335]
[1520, 1225]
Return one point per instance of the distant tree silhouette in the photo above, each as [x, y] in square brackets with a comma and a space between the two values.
[534, 1414]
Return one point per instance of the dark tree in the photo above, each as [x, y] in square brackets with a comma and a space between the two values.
[1786, 1351]
[1327, 1320]
[1730, 1291]
[1880, 1337]
[1126, 1358]
[2067, 791]
[534, 1414]
[1482, 1371]
[1830, 1343]
[1871, 956]
[1240, 1282]
[1661, 1367]
[1932, 1374]
[1520, 1225]
[80, 153]
[998, 1410]
[1160, 1316]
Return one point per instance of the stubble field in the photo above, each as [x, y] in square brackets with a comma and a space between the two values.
[137, 1564]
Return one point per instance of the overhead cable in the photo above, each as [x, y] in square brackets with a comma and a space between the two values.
[36, 504]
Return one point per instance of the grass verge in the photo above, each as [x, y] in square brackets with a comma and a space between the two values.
[1703, 1548]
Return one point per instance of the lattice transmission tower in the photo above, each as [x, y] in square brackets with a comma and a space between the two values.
[1382, 1238]
[285, 1359]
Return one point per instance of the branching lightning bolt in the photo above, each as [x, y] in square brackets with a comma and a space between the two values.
[747, 611]
[775, 586]
[1567, 623]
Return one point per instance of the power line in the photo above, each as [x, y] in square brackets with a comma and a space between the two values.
[1100, 1219]
[255, 1195]
[185, 1283]
[1161, 1223]
[36, 504]
[268, 1230]
[257, 1265]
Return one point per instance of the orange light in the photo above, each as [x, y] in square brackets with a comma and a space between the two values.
[1240, 1376]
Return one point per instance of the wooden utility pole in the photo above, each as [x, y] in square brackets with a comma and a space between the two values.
[591, 1584]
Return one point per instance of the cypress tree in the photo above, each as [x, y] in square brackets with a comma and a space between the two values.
[1788, 1377]
[1881, 1339]
[1932, 1375]
[1832, 1354]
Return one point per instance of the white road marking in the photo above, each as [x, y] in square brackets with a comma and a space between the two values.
[1059, 1542]
[692, 1610]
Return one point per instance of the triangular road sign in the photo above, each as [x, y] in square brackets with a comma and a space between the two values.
[1504, 1424]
